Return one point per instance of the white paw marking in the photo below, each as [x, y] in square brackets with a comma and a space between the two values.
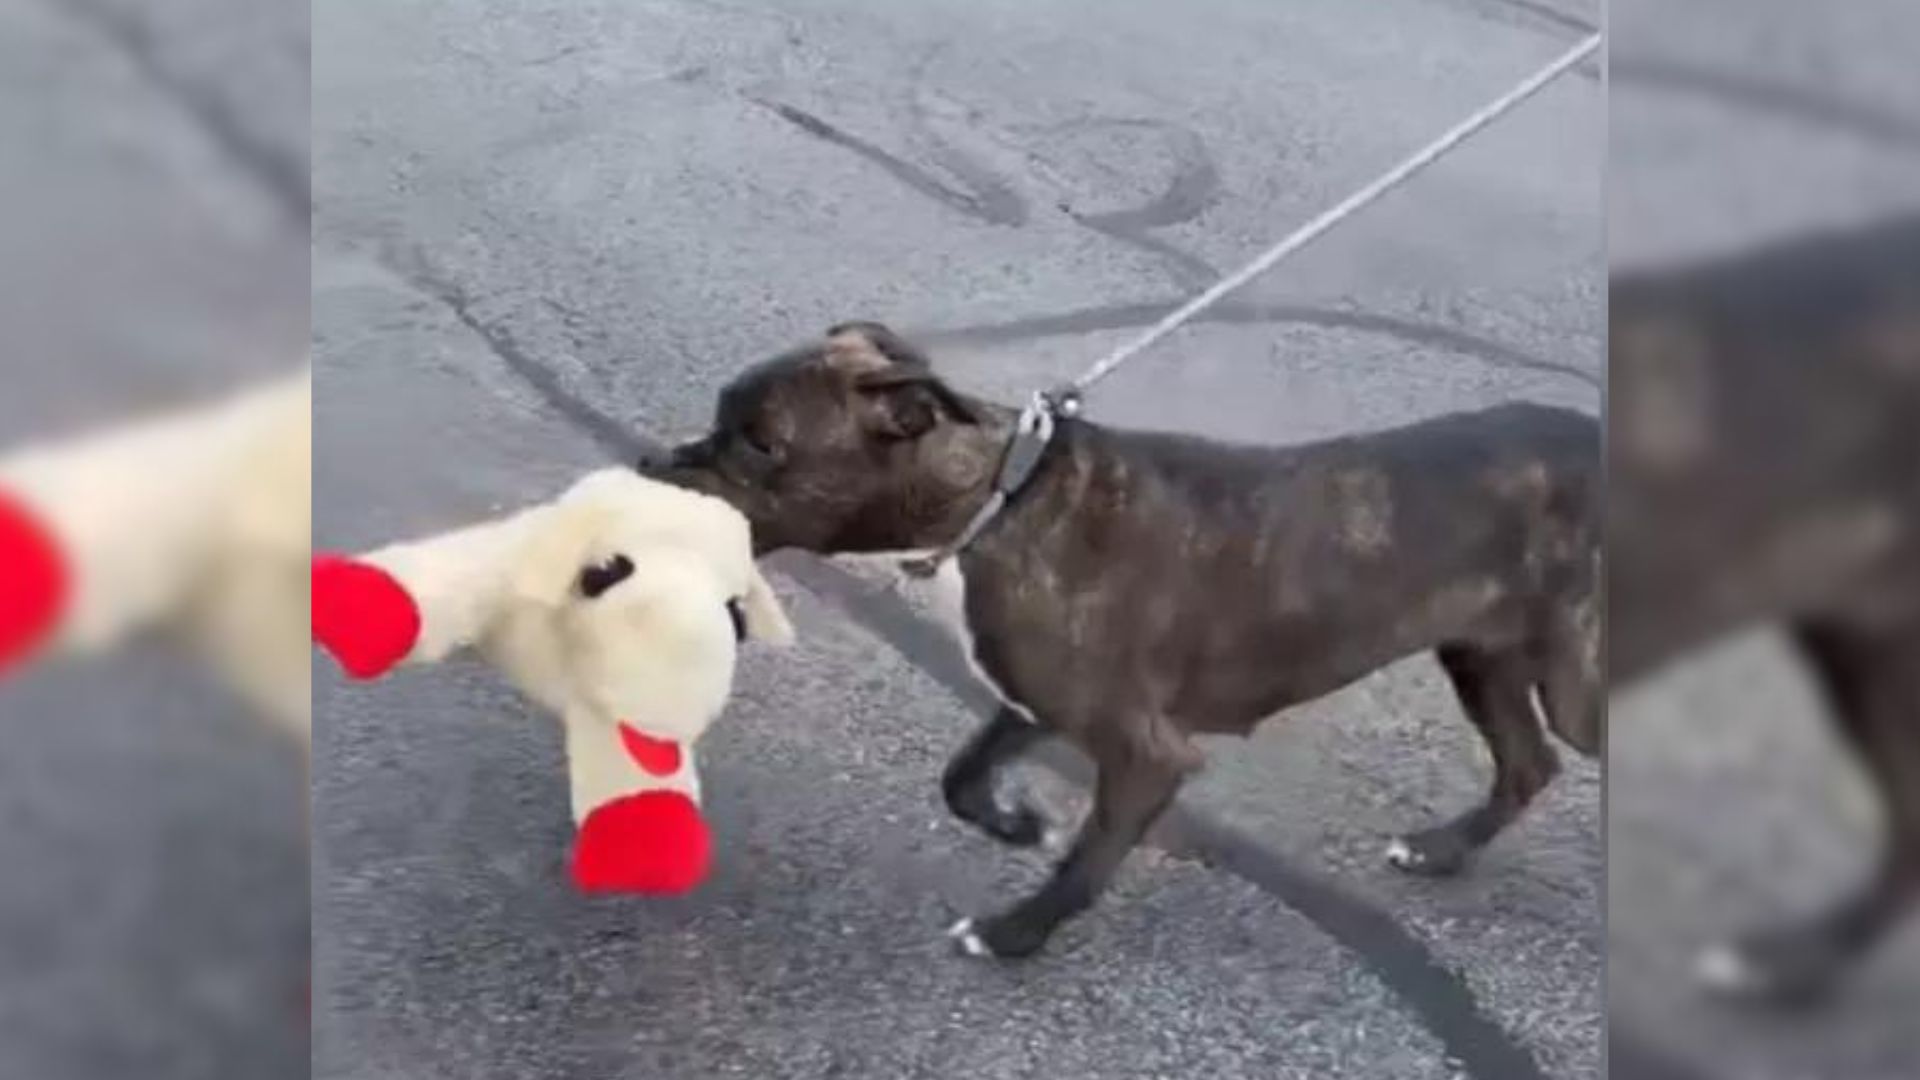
[1400, 854]
[1724, 967]
[970, 943]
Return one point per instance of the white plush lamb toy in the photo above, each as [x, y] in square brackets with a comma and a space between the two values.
[194, 523]
[619, 607]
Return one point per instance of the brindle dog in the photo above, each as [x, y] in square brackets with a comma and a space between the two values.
[1144, 588]
[1764, 467]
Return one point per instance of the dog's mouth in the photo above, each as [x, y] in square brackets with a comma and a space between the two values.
[739, 616]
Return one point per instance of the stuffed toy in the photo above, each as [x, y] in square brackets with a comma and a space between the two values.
[194, 523]
[618, 607]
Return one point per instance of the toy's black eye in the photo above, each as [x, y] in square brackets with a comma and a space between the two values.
[595, 580]
[739, 617]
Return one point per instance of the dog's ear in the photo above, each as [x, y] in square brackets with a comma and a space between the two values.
[865, 336]
[864, 347]
[907, 402]
[906, 399]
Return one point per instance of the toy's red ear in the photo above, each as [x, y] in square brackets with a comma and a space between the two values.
[34, 582]
[362, 616]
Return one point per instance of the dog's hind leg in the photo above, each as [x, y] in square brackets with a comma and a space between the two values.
[968, 783]
[1871, 682]
[1137, 780]
[1494, 688]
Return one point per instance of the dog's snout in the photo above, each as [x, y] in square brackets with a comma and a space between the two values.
[657, 462]
[691, 455]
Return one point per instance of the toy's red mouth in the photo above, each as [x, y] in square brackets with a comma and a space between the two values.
[656, 757]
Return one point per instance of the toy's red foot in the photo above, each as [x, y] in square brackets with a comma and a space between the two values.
[362, 616]
[653, 842]
[33, 582]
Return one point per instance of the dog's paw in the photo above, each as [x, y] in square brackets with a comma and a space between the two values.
[1018, 825]
[1057, 840]
[1010, 822]
[1433, 853]
[1001, 937]
[966, 938]
[1791, 968]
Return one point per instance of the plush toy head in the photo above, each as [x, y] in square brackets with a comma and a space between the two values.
[620, 606]
[638, 593]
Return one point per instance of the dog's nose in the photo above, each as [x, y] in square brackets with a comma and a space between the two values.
[654, 460]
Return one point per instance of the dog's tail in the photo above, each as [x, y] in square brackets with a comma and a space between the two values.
[1573, 686]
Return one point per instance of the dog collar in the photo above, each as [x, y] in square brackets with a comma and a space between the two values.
[1031, 434]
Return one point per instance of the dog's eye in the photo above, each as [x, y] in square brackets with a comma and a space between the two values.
[597, 579]
[756, 440]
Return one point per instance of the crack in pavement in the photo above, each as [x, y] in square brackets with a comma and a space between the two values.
[1194, 187]
[1885, 127]
[286, 180]
[993, 203]
[610, 434]
[1548, 13]
[1125, 316]
[1435, 995]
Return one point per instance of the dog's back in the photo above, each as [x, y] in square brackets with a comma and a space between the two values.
[1764, 451]
[1253, 578]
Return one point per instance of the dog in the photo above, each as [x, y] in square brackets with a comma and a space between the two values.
[1142, 588]
[1764, 468]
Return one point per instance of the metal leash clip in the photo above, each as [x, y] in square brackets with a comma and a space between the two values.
[1031, 434]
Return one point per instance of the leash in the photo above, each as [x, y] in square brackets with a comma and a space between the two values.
[1035, 428]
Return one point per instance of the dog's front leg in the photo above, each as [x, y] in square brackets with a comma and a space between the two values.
[1134, 785]
[968, 783]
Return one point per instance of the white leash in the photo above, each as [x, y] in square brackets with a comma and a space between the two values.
[1035, 427]
[1359, 200]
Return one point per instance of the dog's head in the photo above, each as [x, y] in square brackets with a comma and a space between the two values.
[639, 593]
[844, 445]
